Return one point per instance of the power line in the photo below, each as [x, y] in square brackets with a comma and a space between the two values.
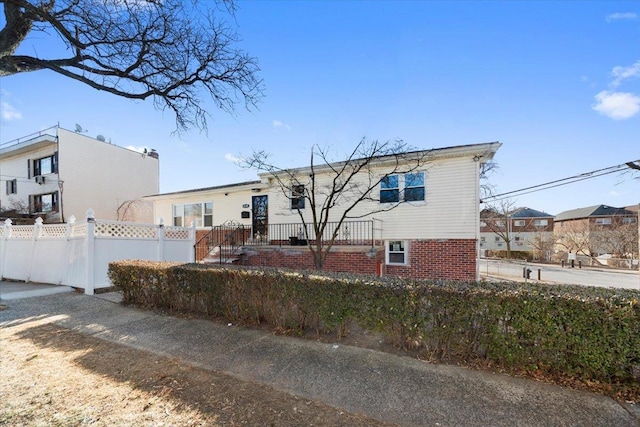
[560, 182]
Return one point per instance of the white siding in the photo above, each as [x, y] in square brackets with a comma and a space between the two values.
[102, 176]
[15, 167]
[225, 208]
[449, 211]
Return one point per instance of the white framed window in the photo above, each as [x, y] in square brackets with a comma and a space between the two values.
[518, 223]
[541, 222]
[408, 187]
[483, 224]
[200, 214]
[12, 186]
[497, 238]
[482, 239]
[297, 197]
[629, 220]
[396, 252]
[603, 221]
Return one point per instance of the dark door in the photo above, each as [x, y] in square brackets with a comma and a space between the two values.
[260, 216]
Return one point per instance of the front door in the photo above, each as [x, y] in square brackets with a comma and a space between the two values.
[260, 214]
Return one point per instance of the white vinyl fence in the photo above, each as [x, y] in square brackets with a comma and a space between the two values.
[78, 254]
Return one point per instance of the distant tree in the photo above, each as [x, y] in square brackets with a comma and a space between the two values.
[543, 244]
[134, 210]
[574, 237]
[497, 218]
[168, 50]
[332, 199]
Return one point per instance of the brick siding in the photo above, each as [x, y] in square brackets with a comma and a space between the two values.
[453, 259]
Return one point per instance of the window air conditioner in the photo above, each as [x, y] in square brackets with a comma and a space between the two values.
[40, 179]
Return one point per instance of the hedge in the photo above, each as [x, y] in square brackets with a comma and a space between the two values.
[585, 332]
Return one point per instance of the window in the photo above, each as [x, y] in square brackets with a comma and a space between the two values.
[44, 202]
[482, 239]
[396, 252]
[390, 189]
[412, 185]
[297, 197]
[45, 165]
[497, 238]
[12, 186]
[629, 220]
[200, 214]
[483, 224]
[603, 221]
[518, 223]
[517, 238]
[541, 222]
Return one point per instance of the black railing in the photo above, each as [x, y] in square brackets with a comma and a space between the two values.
[297, 234]
[223, 242]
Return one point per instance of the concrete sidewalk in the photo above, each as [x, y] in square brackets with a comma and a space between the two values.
[395, 389]
[20, 290]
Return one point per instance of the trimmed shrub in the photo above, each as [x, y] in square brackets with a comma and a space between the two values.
[585, 332]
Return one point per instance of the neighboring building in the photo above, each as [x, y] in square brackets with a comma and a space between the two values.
[431, 233]
[525, 229]
[597, 230]
[57, 173]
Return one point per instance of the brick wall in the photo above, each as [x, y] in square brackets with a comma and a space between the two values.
[356, 259]
[453, 259]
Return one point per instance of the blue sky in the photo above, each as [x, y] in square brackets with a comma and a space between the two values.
[558, 83]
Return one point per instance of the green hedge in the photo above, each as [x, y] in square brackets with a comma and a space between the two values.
[589, 333]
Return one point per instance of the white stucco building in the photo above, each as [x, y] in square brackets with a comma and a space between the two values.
[57, 173]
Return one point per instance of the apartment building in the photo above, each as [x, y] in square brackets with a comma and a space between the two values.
[57, 173]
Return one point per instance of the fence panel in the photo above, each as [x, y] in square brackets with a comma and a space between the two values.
[78, 255]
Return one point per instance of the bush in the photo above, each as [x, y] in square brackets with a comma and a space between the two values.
[589, 333]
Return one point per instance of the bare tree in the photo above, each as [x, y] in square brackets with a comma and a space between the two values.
[542, 244]
[166, 50]
[497, 218]
[345, 185]
[134, 210]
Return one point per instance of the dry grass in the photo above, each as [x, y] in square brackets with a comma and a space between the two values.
[52, 376]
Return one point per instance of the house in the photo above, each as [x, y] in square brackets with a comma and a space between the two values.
[57, 173]
[522, 229]
[420, 220]
[597, 230]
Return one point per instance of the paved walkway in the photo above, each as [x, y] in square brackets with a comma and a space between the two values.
[391, 388]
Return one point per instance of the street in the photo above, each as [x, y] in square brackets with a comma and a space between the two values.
[552, 273]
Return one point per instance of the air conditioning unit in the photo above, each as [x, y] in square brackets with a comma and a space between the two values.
[40, 179]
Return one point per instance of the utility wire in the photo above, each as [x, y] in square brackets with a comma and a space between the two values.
[560, 182]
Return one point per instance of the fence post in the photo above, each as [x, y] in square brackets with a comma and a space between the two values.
[70, 223]
[37, 229]
[192, 238]
[161, 240]
[6, 234]
[89, 284]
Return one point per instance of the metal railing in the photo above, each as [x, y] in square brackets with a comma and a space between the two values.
[359, 233]
[224, 242]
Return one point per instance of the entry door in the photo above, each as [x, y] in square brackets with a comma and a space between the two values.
[260, 216]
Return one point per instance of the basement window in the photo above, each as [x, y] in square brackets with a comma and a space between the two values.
[396, 252]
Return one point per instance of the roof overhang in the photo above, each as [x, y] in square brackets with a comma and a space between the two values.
[18, 148]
